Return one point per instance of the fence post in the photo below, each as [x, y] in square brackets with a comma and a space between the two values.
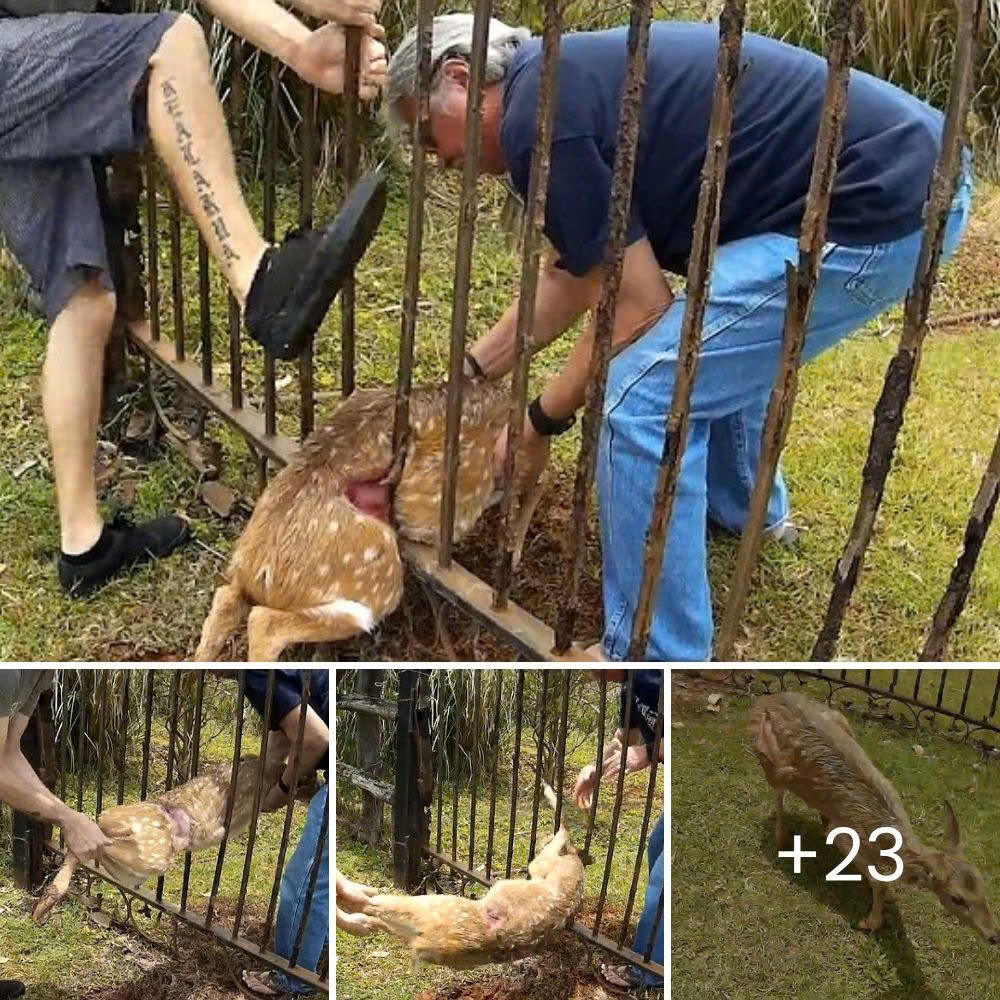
[414, 780]
[28, 835]
[367, 683]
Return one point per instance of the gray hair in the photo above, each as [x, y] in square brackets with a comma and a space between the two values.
[451, 36]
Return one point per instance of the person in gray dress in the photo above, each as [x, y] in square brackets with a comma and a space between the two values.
[78, 84]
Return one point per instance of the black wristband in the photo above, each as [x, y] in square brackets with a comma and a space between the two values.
[284, 788]
[544, 424]
[477, 368]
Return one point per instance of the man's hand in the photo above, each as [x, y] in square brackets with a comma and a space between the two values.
[361, 13]
[353, 896]
[358, 924]
[320, 57]
[636, 758]
[531, 462]
[351, 899]
[84, 838]
[274, 799]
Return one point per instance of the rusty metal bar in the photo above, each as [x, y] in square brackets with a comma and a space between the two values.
[204, 312]
[195, 920]
[177, 273]
[802, 283]
[414, 230]
[439, 775]
[352, 64]
[234, 775]
[653, 766]
[193, 772]
[102, 722]
[940, 693]
[957, 592]
[891, 406]
[704, 241]
[916, 683]
[495, 742]
[463, 273]
[616, 814]
[531, 251]
[153, 257]
[621, 189]
[64, 744]
[477, 711]
[270, 181]
[306, 677]
[601, 722]
[235, 355]
[80, 743]
[993, 703]
[518, 718]
[965, 693]
[307, 416]
[561, 750]
[171, 749]
[454, 774]
[149, 682]
[255, 814]
[657, 922]
[539, 747]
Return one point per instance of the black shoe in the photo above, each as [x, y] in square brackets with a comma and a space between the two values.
[296, 282]
[10, 988]
[122, 545]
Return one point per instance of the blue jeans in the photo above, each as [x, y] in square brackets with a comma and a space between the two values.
[646, 928]
[293, 898]
[739, 361]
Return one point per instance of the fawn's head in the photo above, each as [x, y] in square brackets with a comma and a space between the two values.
[959, 884]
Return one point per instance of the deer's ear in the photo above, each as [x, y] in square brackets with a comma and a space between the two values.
[952, 835]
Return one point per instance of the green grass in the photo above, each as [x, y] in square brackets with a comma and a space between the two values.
[361, 977]
[950, 428]
[745, 927]
[70, 957]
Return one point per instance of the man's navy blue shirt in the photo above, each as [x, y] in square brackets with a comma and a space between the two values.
[891, 143]
[288, 686]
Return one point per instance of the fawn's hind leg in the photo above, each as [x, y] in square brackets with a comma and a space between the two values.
[270, 630]
[229, 611]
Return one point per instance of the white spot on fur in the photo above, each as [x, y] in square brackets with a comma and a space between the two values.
[334, 526]
[265, 575]
[348, 558]
[324, 570]
[359, 613]
[370, 555]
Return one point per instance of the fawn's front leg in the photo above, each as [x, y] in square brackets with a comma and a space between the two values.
[781, 835]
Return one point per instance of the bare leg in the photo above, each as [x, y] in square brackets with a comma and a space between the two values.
[270, 631]
[71, 402]
[781, 836]
[229, 611]
[189, 133]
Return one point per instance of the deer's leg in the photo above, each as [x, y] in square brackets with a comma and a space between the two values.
[270, 630]
[541, 863]
[56, 889]
[229, 611]
[874, 919]
[781, 835]
[525, 511]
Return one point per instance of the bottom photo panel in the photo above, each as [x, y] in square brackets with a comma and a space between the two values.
[500, 834]
[834, 834]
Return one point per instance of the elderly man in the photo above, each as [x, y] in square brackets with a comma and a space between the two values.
[77, 85]
[890, 147]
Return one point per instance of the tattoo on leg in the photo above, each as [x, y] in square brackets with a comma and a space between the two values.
[206, 195]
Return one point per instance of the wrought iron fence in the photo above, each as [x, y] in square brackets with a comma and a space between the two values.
[436, 762]
[98, 741]
[492, 604]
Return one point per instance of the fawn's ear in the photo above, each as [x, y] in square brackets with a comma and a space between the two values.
[952, 835]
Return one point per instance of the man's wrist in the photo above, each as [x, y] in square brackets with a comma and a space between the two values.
[544, 423]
